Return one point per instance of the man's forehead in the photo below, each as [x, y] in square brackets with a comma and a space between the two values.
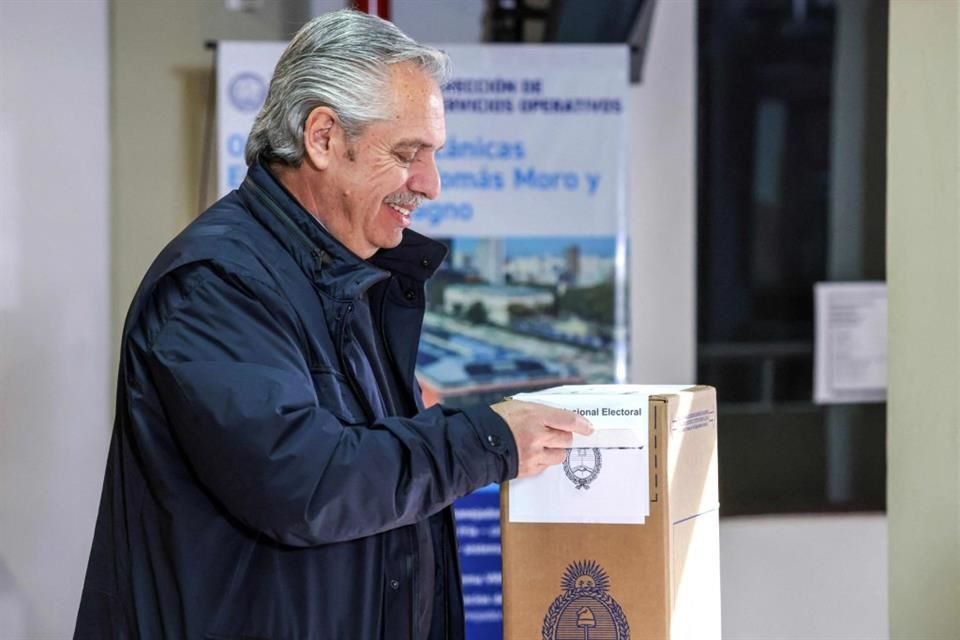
[415, 116]
[410, 87]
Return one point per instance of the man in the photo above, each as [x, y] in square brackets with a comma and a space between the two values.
[273, 473]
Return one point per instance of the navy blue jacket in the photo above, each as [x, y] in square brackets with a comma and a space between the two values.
[261, 483]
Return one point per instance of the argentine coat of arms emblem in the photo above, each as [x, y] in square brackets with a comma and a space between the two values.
[585, 610]
[582, 466]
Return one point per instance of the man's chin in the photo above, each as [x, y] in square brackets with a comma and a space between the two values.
[392, 241]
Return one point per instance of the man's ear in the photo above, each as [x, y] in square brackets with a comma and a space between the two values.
[319, 132]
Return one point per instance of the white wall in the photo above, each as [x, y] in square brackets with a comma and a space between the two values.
[54, 306]
[662, 179]
[804, 577]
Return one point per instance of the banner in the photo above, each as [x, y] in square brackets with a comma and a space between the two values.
[533, 209]
[244, 70]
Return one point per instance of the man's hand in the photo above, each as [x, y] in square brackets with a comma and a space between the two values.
[542, 433]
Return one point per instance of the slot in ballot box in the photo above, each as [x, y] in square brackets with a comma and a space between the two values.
[626, 558]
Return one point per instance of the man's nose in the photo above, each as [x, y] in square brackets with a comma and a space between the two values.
[425, 177]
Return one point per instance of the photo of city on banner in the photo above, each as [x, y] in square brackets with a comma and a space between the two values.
[533, 292]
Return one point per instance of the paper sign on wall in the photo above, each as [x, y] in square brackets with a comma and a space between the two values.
[850, 342]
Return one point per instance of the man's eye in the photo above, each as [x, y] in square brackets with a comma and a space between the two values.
[406, 156]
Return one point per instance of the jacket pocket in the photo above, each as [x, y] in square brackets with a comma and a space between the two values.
[334, 395]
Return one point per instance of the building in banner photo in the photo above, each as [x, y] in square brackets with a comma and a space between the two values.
[518, 314]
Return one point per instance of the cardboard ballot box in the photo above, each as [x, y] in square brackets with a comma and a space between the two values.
[658, 580]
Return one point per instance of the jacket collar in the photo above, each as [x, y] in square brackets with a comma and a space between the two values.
[321, 256]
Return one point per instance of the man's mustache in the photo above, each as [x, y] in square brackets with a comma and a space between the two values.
[405, 200]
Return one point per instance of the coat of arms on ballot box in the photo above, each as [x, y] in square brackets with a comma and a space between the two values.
[582, 466]
[585, 611]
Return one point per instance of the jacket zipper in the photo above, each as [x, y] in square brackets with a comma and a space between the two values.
[347, 373]
[388, 350]
[415, 580]
[413, 528]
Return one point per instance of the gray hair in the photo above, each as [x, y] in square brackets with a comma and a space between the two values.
[338, 60]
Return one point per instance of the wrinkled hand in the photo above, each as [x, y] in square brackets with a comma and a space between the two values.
[542, 433]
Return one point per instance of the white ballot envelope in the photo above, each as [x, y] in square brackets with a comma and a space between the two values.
[605, 477]
[592, 486]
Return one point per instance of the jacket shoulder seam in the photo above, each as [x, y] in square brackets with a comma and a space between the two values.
[206, 280]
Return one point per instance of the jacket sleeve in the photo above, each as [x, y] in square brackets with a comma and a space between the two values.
[238, 394]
